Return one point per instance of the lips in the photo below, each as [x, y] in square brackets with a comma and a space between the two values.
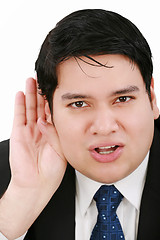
[106, 152]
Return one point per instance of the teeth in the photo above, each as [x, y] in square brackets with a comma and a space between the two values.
[108, 152]
[107, 147]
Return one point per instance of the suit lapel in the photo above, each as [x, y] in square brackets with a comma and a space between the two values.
[57, 220]
[149, 221]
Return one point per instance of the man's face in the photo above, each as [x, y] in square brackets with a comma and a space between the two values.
[103, 116]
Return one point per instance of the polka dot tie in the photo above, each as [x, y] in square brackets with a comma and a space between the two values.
[108, 226]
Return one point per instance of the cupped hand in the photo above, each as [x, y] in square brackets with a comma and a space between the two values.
[36, 158]
[37, 164]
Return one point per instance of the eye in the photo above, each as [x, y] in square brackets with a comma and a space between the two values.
[123, 99]
[79, 104]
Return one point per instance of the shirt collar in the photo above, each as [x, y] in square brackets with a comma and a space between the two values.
[131, 187]
[85, 190]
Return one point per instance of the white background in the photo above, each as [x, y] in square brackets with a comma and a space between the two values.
[25, 23]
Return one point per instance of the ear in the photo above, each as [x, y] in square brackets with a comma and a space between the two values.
[48, 113]
[154, 101]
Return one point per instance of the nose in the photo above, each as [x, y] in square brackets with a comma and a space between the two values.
[104, 122]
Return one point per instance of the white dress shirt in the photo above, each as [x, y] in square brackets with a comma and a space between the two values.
[131, 188]
[2, 237]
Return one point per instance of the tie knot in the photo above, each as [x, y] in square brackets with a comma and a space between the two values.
[108, 197]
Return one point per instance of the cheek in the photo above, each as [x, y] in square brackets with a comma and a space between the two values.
[69, 125]
[138, 118]
[141, 126]
[140, 135]
[69, 132]
[138, 128]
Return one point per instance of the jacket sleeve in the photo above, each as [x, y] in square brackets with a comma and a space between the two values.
[5, 172]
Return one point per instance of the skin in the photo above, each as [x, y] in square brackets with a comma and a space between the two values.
[92, 107]
[36, 161]
[98, 106]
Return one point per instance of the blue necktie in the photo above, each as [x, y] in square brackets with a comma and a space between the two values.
[108, 226]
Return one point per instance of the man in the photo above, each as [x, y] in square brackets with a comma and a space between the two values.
[96, 128]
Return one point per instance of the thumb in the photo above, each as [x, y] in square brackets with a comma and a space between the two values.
[49, 132]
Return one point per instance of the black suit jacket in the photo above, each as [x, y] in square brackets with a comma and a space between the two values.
[57, 220]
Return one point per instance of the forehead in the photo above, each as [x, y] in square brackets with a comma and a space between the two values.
[110, 68]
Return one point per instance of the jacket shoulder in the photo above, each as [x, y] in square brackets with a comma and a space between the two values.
[157, 124]
[5, 173]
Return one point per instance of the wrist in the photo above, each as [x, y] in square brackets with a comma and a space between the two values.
[18, 210]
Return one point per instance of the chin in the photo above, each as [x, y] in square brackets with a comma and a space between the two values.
[108, 178]
[105, 179]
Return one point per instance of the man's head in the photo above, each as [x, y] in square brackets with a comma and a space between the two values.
[91, 32]
[95, 70]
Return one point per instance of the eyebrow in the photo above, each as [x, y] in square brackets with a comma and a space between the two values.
[126, 90]
[70, 96]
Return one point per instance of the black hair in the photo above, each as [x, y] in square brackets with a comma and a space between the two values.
[91, 32]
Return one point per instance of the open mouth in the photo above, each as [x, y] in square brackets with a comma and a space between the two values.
[106, 150]
[107, 153]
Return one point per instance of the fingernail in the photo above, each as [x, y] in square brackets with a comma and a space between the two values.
[44, 122]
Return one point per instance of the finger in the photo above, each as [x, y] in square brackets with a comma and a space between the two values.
[31, 101]
[48, 113]
[40, 106]
[19, 110]
[51, 136]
